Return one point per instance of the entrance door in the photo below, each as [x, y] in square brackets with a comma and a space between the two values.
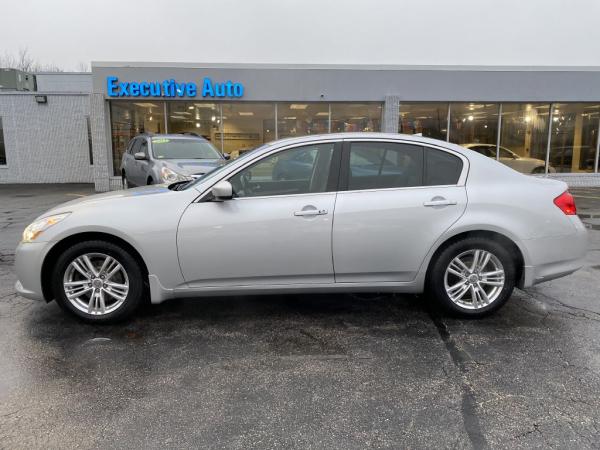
[276, 229]
[400, 199]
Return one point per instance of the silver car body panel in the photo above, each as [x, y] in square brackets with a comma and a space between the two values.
[257, 245]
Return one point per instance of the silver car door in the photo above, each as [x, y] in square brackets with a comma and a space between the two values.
[276, 229]
[388, 218]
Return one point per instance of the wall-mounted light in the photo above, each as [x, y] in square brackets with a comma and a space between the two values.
[41, 98]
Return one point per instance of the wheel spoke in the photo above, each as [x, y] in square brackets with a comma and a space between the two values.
[76, 283]
[119, 296]
[492, 283]
[492, 273]
[484, 261]
[461, 293]
[92, 302]
[89, 265]
[77, 266]
[74, 294]
[475, 260]
[483, 295]
[101, 301]
[108, 260]
[460, 263]
[116, 268]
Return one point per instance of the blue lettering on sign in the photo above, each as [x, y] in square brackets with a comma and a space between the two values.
[172, 88]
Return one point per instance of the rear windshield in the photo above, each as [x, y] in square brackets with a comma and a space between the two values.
[173, 148]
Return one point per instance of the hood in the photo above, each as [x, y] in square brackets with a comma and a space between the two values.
[192, 166]
[113, 195]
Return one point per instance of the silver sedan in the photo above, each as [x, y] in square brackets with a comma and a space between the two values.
[331, 213]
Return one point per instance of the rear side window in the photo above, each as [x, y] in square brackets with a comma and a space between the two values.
[380, 165]
[135, 146]
[441, 168]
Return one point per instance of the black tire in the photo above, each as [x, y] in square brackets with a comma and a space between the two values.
[539, 170]
[436, 276]
[149, 181]
[134, 272]
[124, 180]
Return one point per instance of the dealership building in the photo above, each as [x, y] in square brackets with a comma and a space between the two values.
[74, 127]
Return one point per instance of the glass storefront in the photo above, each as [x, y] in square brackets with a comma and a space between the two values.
[574, 136]
[128, 119]
[246, 126]
[524, 129]
[474, 123]
[427, 119]
[236, 127]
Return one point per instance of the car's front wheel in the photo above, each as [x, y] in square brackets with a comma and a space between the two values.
[98, 282]
[472, 277]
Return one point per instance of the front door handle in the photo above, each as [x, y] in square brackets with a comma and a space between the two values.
[441, 202]
[311, 212]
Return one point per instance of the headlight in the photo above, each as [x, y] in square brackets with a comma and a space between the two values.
[170, 176]
[39, 226]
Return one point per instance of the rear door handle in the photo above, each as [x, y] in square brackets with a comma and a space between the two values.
[311, 212]
[439, 203]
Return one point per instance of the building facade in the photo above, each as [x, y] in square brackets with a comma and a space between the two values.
[543, 121]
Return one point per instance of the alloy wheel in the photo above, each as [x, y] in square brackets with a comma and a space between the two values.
[474, 279]
[96, 283]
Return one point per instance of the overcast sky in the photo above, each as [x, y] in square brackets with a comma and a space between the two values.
[474, 32]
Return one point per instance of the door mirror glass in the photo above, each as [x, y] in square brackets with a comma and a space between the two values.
[139, 155]
[222, 191]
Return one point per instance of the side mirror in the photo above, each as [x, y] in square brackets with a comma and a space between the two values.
[226, 156]
[139, 155]
[222, 191]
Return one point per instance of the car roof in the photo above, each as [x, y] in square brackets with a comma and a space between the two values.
[173, 135]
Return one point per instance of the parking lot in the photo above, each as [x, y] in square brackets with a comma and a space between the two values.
[300, 371]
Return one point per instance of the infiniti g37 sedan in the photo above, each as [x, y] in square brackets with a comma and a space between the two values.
[374, 212]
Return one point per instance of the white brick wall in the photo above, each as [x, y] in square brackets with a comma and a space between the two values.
[45, 143]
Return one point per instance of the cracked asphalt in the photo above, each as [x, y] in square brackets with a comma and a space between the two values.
[318, 371]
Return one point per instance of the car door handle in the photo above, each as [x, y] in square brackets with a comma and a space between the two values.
[443, 202]
[311, 212]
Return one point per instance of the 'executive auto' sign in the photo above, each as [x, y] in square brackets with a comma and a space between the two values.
[172, 88]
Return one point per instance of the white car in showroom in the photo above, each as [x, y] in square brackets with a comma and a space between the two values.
[352, 212]
[521, 164]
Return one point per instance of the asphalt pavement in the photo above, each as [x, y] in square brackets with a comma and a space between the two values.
[300, 371]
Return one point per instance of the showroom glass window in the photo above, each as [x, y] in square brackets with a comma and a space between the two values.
[355, 117]
[574, 137]
[300, 170]
[247, 125]
[524, 129]
[301, 119]
[128, 119]
[202, 118]
[2, 147]
[474, 123]
[428, 119]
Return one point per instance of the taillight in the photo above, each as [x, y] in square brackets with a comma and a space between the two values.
[566, 203]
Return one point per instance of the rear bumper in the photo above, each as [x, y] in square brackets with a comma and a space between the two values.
[555, 257]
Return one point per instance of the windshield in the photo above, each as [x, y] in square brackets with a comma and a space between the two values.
[216, 171]
[173, 148]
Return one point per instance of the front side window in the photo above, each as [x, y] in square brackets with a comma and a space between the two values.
[300, 170]
[380, 165]
[169, 148]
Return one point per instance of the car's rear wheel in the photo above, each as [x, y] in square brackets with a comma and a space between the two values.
[472, 277]
[124, 179]
[98, 282]
[539, 170]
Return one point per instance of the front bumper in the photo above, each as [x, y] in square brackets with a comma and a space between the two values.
[28, 267]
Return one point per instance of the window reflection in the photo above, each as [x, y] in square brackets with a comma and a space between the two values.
[128, 119]
[524, 130]
[574, 136]
[246, 126]
[474, 123]
[427, 119]
[202, 118]
[348, 117]
[300, 119]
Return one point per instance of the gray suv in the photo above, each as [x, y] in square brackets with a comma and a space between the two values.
[168, 158]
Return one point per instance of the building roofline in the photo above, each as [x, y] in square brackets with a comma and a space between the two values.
[466, 68]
